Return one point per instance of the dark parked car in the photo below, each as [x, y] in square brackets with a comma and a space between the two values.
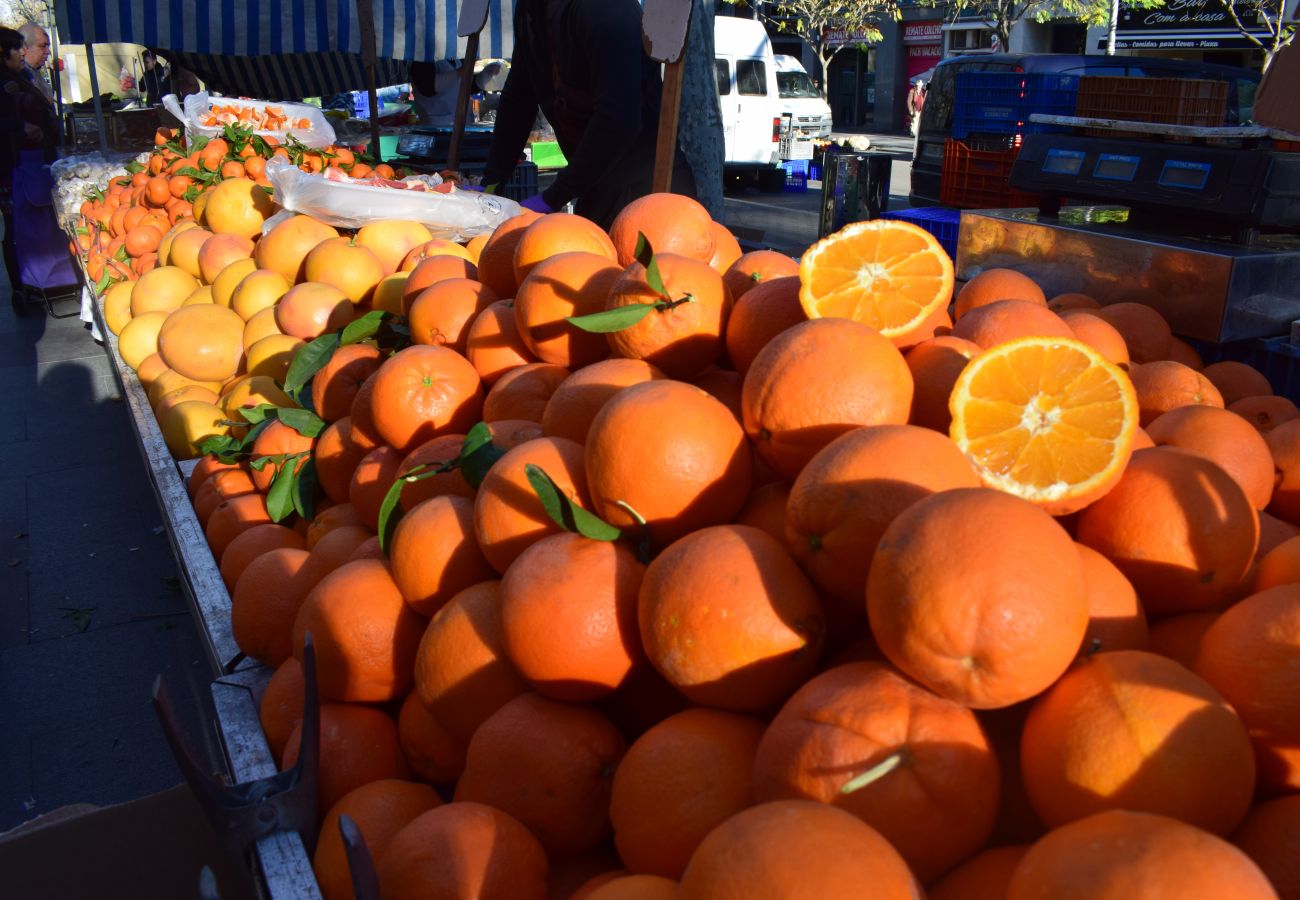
[936, 116]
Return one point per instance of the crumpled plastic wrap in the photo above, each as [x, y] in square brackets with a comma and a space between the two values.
[343, 202]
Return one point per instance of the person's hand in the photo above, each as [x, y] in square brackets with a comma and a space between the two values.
[537, 204]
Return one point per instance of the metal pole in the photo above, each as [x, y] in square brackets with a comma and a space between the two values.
[99, 104]
[462, 100]
[365, 12]
[1114, 25]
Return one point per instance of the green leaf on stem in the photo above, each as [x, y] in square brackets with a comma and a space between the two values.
[304, 489]
[279, 499]
[365, 327]
[308, 361]
[564, 512]
[303, 421]
[607, 321]
[254, 415]
[645, 255]
[478, 454]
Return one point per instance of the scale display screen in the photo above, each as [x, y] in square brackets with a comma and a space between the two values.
[1181, 174]
[1063, 162]
[1115, 167]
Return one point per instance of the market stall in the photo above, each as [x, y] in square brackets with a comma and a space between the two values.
[650, 554]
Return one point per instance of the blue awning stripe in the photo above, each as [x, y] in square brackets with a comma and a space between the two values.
[408, 30]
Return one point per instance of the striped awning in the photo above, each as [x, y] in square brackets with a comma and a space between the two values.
[274, 49]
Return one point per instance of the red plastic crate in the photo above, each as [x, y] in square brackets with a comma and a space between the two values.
[976, 177]
[1287, 146]
[1167, 101]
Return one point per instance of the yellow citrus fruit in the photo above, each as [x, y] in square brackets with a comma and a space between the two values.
[223, 286]
[272, 356]
[139, 337]
[188, 424]
[117, 306]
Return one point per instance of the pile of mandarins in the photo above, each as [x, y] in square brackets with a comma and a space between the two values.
[121, 228]
[651, 569]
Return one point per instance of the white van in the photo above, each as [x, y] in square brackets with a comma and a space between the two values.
[811, 114]
[750, 101]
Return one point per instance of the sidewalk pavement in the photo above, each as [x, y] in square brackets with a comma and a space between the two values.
[90, 606]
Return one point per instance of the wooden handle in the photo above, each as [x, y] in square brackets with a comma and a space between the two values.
[462, 99]
[669, 110]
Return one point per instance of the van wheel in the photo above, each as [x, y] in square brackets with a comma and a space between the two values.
[771, 181]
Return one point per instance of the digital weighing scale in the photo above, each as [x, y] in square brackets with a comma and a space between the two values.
[1203, 224]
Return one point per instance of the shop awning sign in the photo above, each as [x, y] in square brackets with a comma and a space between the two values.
[1186, 25]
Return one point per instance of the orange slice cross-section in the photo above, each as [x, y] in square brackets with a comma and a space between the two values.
[890, 275]
[1047, 419]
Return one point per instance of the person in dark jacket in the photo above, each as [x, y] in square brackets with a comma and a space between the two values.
[156, 82]
[582, 63]
[25, 124]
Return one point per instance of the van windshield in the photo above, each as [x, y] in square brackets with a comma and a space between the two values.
[796, 86]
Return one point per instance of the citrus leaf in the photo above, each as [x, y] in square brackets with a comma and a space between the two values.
[133, 167]
[390, 513]
[564, 512]
[304, 489]
[198, 144]
[279, 499]
[477, 456]
[190, 172]
[303, 421]
[255, 414]
[365, 327]
[479, 435]
[262, 462]
[611, 320]
[218, 445]
[103, 284]
[308, 361]
[643, 253]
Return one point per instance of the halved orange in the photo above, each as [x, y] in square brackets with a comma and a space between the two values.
[890, 275]
[1047, 419]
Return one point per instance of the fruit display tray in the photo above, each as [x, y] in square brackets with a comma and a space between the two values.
[281, 864]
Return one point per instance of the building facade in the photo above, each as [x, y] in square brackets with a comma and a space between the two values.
[868, 82]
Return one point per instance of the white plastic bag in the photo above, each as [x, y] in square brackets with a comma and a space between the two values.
[345, 203]
[319, 134]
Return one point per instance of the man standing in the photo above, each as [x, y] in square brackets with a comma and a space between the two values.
[582, 63]
[36, 52]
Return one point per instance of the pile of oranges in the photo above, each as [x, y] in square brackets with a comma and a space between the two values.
[639, 567]
[122, 225]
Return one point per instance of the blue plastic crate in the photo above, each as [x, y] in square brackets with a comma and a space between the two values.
[796, 175]
[1276, 358]
[940, 221]
[1002, 102]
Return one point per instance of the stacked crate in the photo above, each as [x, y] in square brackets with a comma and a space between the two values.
[991, 114]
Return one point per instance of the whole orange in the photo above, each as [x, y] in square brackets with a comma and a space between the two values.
[421, 392]
[1136, 731]
[548, 764]
[365, 634]
[979, 596]
[678, 781]
[1178, 526]
[569, 616]
[677, 479]
[861, 380]
[729, 619]
[796, 848]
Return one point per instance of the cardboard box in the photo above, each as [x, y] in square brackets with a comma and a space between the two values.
[149, 848]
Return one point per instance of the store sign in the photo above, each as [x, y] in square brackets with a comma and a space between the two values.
[1185, 25]
[840, 37]
[922, 32]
